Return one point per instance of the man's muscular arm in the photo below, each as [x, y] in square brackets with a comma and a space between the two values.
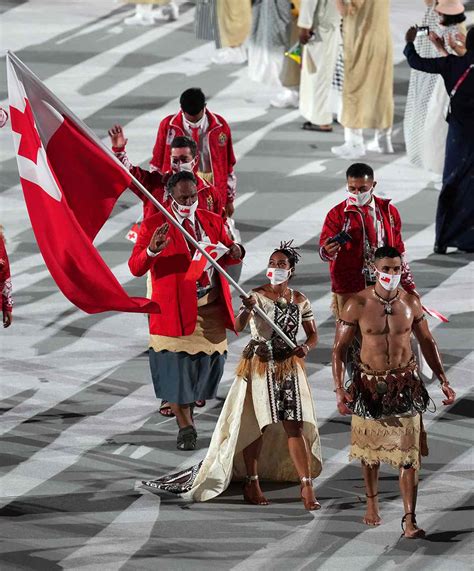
[430, 349]
[346, 329]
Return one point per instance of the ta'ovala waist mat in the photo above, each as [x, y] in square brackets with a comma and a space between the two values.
[377, 394]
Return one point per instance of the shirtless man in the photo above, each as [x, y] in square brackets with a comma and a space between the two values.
[386, 397]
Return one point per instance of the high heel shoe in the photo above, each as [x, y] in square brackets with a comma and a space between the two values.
[259, 501]
[309, 505]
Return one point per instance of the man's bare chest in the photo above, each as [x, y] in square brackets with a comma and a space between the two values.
[378, 321]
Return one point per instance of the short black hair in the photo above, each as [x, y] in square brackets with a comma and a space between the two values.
[470, 39]
[360, 170]
[178, 177]
[183, 142]
[192, 101]
[452, 19]
[386, 252]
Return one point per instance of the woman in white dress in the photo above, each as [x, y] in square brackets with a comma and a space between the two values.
[267, 429]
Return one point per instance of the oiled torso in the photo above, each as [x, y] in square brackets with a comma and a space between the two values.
[385, 337]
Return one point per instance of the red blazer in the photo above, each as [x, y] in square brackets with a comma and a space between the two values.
[177, 298]
[220, 147]
[346, 268]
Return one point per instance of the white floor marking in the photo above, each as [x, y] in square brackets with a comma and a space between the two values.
[117, 542]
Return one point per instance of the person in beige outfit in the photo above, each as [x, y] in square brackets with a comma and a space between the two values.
[368, 77]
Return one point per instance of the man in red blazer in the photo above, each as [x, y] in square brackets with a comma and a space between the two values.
[183, 157]
[188, 343]
[213, 138]
[370, 222]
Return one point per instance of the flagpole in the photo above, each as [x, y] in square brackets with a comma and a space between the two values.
[217, 266]
[150, 196]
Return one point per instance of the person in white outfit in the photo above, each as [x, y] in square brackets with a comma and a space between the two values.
[318, 23]
[267, 428]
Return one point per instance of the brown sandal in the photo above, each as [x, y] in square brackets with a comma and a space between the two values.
[419, 533]
[262, 501]
[165, 409]
[309, 505]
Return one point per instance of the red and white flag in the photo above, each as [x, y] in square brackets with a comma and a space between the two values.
[70, 182]
[435, 313]
[199, 263]
[132, 234]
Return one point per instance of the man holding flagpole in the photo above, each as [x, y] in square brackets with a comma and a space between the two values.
[188, 343]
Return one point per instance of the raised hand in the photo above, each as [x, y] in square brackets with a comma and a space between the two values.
[159, 241]
[410, 34]
[117, 136]
[331, 248]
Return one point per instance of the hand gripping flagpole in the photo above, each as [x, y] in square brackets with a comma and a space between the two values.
[148, 194]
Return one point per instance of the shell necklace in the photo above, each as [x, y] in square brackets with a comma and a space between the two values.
[387, 303]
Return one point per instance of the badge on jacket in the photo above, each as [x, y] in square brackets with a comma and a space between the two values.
[210, 202]
[170, 136]
[222, 139]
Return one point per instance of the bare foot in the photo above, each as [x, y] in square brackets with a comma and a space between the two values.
[253, 494]
[372, 516]
[411, 530]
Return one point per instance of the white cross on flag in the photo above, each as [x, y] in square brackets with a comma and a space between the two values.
[71, 182]
[199, 264]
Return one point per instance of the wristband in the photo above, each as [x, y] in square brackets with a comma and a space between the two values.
[338, 389]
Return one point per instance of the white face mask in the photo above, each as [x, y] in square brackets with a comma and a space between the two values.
[198, 123]
[388, 281]
[360, 199]
[277, 275]
[185, 211]
[180, 167]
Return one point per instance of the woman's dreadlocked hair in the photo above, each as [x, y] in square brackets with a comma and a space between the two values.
[290, 251]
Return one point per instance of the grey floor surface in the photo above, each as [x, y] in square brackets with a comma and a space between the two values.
[79, 420]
